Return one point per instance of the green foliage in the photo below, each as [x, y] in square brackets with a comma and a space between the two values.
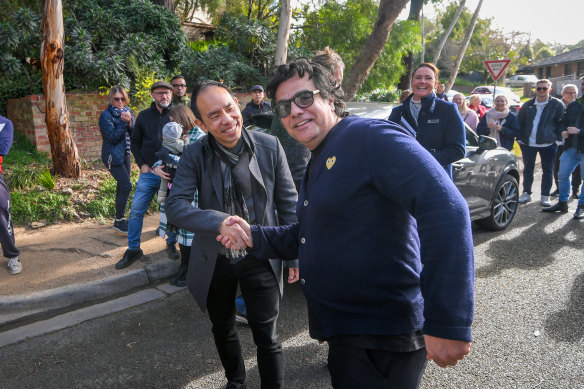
[25, 154]
[15, 86]
[386, 95]
[345, 26]
[46, 180]
[543, 53]
[220, 63]
[37, 205]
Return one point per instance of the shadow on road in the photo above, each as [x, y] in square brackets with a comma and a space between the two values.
[567, 325]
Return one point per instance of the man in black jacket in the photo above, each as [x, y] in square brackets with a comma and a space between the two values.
[572, 156]
[255, 106]
[540, 125]
[146, 139]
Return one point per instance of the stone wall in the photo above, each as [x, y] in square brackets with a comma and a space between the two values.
[28, 117]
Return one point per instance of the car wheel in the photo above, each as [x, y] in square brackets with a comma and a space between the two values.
[503, 206]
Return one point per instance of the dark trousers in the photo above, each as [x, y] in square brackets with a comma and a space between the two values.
[260, 290]
[121, 174]
[353, 367]
[9, 250]
[546, 155]
[576, 177]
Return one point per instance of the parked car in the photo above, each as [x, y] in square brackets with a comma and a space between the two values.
[519, 80]
[501, 90]
[487, 101]
[487, 176]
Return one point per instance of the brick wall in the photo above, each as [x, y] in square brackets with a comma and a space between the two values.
[28, 117]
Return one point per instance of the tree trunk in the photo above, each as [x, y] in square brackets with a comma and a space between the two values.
[388, 13]
[283, 32]
[168, 4]
[63, 149]
[448, 32]
[462, 50]
[408, 60]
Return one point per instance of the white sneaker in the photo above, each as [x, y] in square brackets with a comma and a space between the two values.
[525, 198]
[545, 201]
[14, 265]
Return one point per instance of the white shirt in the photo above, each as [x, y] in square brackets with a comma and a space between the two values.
[539, 106]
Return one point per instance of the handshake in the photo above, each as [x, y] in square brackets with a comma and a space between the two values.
[235, 233]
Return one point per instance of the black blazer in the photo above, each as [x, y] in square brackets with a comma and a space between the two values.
[199, 169]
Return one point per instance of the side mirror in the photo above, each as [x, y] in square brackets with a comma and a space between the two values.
[486, 143]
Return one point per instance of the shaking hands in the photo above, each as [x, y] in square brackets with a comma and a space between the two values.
[235, 233]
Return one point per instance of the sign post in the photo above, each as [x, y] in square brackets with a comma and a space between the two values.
[496, 68]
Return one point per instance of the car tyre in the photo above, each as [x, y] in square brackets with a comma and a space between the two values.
[503, 205]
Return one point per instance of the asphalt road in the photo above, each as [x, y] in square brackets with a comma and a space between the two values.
[528, 330]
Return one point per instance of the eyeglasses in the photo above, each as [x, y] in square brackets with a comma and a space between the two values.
[541, 88]
[119, 99]
[179, 85]
[302, 99]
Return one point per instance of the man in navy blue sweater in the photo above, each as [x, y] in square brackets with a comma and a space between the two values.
[383, 240]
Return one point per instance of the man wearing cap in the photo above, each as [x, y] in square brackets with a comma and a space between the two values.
[179, 91]
[255, 106]
[146, 139]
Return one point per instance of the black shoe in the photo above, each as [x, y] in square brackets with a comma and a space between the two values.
[121, 226]
[555, 193]
[579, 214]
[129, 257]
[560, 206]
[171, 251]
[235, 385]
[180, 278]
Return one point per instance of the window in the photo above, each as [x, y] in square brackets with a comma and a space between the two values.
[567, 69]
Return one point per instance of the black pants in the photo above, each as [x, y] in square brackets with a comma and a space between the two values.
[576, 177]
[261, 293]
[353, 367]
[6, 229]
[121, 174]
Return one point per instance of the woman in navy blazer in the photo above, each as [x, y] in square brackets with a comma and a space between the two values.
[436, 123]
[115, 124]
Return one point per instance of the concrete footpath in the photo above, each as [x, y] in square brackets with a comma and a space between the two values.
[69, 265]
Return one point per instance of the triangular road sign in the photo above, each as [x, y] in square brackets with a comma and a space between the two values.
[497, 67]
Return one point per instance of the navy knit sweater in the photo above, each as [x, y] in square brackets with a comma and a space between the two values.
[383, 237]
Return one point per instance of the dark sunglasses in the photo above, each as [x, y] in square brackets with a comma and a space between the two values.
[302, 99]
[119, 99]
[179, 86]
[541, 88]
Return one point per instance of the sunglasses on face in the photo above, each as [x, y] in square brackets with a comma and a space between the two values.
[541, 88]
[119, 99]
[302, 99]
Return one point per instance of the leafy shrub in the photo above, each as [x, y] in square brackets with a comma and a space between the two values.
[38, 205]
[46, 180]
[379, 95]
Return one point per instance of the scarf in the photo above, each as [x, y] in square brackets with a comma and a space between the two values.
[494, 116]
[233, 198]
[118, 111]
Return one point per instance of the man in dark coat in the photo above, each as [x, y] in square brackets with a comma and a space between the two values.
[255, 106]
[234, 172]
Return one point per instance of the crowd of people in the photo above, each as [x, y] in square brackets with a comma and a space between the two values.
[353, 207]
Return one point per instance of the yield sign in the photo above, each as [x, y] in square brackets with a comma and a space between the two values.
[497, 67]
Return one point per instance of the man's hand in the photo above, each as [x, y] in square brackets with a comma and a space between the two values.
[445, 352]
[161, 173]
[565, 134]
[235, 233]
[573, 130]
[293, 275]
[144, 168]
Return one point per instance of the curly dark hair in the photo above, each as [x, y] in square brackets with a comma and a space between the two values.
[322, 78]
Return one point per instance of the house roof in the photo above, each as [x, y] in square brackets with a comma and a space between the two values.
[575, 55]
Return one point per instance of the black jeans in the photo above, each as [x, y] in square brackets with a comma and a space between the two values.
[121, 174]
[261, 293]
[9, 249]
[353, 367]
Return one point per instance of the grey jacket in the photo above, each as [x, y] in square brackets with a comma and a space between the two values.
[199, 169]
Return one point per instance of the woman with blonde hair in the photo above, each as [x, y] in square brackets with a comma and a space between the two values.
[499, 123]
[115, 124]
[468, 115]
[474, 103]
